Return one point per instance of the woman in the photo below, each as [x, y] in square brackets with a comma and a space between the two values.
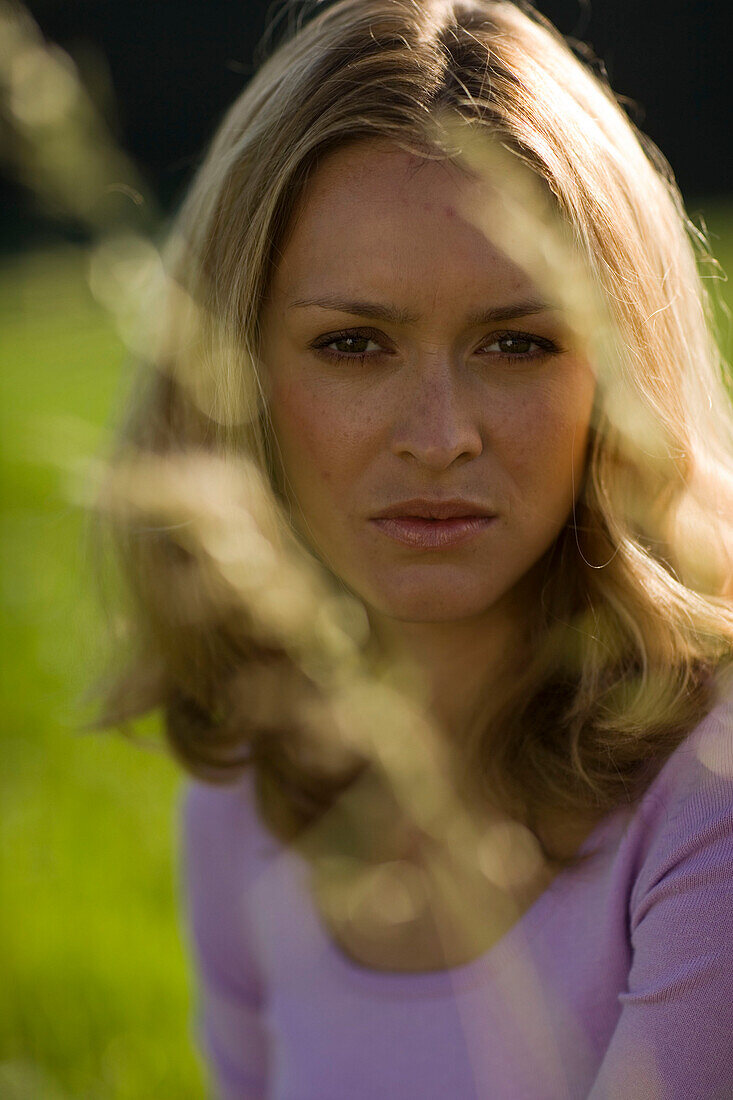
[425, 505]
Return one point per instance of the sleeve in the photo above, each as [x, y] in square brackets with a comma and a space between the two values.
[229, 1022]
[674, 1037]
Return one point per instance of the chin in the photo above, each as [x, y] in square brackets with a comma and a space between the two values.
[432, 603]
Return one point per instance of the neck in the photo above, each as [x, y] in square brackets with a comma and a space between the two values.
[459, 664]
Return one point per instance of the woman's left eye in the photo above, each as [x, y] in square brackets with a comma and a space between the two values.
[519, 345]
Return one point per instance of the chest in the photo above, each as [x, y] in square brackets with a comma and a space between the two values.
[417, 904]
[539, 1004]
[426, 913]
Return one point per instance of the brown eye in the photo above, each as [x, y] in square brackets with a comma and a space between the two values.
[350, 345]
[515, 345]
[519, 345]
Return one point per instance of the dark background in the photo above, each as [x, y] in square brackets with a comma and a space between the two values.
[165, 70]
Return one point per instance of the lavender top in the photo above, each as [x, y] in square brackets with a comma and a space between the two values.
[617, 984]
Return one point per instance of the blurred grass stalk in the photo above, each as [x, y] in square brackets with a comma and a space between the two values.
[55, 140]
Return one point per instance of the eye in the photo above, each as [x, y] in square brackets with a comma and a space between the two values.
[519, 345]
[348, 345]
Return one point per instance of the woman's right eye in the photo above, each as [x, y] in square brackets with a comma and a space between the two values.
[348, 345]
[358, 345]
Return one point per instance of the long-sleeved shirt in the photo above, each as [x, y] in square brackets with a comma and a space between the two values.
[616, 984]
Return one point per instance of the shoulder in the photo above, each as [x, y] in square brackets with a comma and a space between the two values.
[209, 805]
[220, 828]
[676, 855]
[222, 848]
[698, 776]
[684, 823]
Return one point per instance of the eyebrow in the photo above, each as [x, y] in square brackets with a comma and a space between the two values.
[385, 312]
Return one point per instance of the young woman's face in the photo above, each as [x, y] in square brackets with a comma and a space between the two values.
[431, 419]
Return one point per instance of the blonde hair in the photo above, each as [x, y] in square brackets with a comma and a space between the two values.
[635, 615]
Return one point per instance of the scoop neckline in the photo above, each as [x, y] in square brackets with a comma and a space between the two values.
[463, 976]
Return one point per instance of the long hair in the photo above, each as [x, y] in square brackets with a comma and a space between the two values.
[635, 617]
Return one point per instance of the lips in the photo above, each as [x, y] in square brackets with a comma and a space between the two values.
[421, 508]
[433, 525]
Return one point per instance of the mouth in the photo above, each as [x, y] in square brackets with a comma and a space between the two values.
[433, 525]
[424, 508]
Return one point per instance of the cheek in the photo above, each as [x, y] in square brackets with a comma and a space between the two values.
[297, 422]
[545, 440]
[316, 435]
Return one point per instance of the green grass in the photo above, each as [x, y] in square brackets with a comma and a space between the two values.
[95, 997]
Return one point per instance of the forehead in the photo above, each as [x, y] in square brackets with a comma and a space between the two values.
[372, 213]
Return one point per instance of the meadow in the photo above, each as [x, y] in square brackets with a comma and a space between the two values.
[96, 1000]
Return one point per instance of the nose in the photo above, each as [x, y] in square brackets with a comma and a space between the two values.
[438, 422]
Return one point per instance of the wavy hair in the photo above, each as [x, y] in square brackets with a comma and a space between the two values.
[635, 619]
